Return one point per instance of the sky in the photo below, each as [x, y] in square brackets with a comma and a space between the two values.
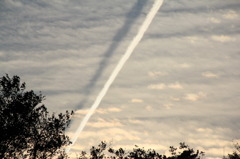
[181, 83]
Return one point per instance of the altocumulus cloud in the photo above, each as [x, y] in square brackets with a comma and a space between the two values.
[183, 78]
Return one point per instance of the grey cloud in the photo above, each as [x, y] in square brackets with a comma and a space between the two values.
[67, 49]
[198, 7]
[131, 17]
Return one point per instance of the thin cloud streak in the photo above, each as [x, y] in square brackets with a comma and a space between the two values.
[143, 28]
[131, 17]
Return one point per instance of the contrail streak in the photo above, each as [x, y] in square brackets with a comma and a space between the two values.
[157, 4]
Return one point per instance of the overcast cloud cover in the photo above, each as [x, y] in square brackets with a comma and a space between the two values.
[180, 84]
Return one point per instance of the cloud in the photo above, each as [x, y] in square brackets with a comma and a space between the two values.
[135, 121]
[168, 106]
[149, 108]
[156, 74]
[194, 96]
[162, 86]
[13, 3]
[205, 130]
[230, 15]
[101, 123]
[209, 75]
[99, 110]
[159, 86]
[107, 134]
[135, 100]
[81, 111]
[175, 98]
[58, 47]
[214, 20]
[194, 40]
[108, 110]
[175, 85]
[114, 109]
[185, 65]
[222, 38]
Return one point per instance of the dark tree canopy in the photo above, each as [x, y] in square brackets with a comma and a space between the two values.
[235, 154]
[99, 152]
[26, 127]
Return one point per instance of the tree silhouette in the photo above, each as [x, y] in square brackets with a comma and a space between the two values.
[27, 129]
[235, 154]
[140, 153]
[185, 153]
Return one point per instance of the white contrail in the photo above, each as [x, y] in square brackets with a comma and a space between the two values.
[157, 4]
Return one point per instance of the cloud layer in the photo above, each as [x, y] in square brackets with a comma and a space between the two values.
[181, 84]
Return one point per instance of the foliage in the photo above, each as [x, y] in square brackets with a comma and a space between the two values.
[235, 154]
[140, 153]
[186, 152]
[27, 129]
